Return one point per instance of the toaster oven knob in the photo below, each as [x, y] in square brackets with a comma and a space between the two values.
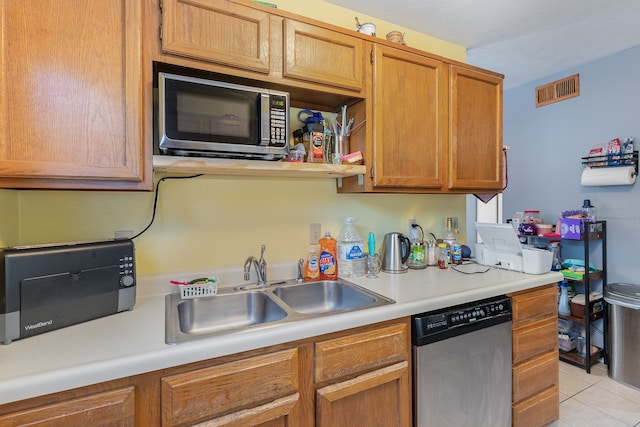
[126, 280]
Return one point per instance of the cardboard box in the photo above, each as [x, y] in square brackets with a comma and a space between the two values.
[571, 228]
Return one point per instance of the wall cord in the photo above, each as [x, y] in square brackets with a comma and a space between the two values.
[155, 199]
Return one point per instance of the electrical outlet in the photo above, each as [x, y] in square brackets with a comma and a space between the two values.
[413, 232]
[314, 233]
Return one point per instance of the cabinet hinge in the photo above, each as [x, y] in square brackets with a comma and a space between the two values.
[371, 56]
[160, 4]
[371, 173]
[160, 32]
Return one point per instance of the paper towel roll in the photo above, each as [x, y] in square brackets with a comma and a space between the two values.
[616, 175]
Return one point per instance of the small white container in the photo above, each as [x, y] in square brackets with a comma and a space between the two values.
[536, 261]
[367, 28]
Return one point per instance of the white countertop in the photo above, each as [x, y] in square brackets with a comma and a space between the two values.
[132, 342]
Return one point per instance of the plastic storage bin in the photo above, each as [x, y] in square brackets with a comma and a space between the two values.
[567, 341]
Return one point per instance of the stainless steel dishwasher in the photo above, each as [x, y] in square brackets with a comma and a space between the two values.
[462, 365]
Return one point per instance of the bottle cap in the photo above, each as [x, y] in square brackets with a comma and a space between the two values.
[587, 204]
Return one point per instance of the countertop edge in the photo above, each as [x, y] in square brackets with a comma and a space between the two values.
[109, 363]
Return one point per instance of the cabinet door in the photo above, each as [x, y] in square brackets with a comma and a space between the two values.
[475, 151]
[245, 392]
[323, 56]
[109, 408]
[217, 31]
[71, 94]
[410, 120]
[378, 398]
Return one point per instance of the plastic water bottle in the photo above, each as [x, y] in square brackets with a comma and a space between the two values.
[351, 261]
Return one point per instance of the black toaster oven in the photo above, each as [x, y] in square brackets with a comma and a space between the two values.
[48, 287]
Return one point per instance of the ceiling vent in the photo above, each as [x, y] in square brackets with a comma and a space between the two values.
[559, 90]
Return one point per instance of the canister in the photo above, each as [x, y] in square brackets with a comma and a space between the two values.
[418, 256]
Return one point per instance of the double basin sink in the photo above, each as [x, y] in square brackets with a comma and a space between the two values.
[251, 307]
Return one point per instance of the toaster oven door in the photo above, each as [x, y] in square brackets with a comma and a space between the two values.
[59, 300]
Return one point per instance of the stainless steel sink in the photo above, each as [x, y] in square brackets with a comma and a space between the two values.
[234, 310]
[326, 296]
[220, 314]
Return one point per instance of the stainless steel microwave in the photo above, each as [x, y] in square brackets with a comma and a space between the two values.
[202, 117]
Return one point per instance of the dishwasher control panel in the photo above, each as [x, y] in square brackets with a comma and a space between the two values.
[438, 324]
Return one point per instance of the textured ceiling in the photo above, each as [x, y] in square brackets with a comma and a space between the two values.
[523, 39]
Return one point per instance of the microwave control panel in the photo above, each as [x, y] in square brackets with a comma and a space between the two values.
[278, 118]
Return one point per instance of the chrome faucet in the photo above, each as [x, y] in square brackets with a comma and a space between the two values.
[260, 266]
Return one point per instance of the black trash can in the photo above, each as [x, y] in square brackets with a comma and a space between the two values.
[623, 320]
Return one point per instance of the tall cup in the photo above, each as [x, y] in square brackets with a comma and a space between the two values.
[342, 145]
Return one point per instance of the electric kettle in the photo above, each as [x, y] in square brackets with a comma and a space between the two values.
[396, 248]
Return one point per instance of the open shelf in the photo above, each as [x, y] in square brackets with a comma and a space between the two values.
[232, 167]
[575, 359]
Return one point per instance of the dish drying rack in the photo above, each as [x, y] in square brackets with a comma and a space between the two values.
[200, 287]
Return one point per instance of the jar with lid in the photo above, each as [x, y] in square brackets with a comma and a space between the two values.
[432, 254]
[589, 210]
[532, 217]
[444, 256]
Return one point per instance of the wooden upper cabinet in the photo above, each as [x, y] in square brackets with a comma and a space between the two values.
[322, 56]
[476, 160]
[71, 95]
[410, 121]
[217, 31]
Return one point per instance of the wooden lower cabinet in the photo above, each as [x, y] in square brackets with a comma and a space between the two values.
[535, 357]
[251, 391]
[109, 408]
[542, 409]
[355, 377]
[378, 397]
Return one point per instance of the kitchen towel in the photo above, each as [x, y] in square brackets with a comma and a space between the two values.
[616, 175]
[486, 197]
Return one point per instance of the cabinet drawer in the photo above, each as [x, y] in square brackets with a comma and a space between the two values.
[208, 392]
[539, 410]
[115, 407]
[361, 352]
[535, 339]
[535, 375]
[534, 305]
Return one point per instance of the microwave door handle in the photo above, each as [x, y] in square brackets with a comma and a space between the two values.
[264, 113]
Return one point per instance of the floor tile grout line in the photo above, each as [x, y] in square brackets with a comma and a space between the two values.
[617, 396]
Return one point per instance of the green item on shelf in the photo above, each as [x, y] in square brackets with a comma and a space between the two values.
[572, 274]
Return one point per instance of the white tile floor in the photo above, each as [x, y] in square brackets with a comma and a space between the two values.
[595, 400]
